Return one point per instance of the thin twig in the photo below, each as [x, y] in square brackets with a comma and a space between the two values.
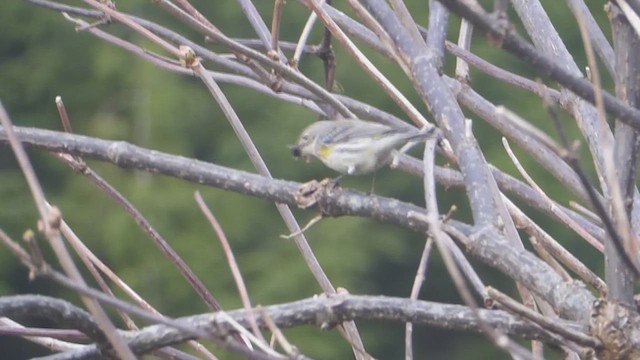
[439, 235]
[288, 348]
[149, 230]
[368, 66]
[415, 291]
[135, 26]
[285, 212]
[186, 5]
[282, 69]
[559, 213]
[618, 211]
[464, 42]
[64, 117]
[233, 265]
[50, 221]
[556, 249]
[303, 38]
[326, 54]
[515, 44]
[275, 28]
[549, 324]
[94, 261]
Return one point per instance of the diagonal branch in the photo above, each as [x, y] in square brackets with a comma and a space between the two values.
[516, 45]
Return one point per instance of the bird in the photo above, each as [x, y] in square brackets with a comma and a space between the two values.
[354, 146]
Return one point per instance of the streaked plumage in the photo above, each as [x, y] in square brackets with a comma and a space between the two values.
[353, 147]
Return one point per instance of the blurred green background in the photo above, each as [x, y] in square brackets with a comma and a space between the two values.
[112, 94]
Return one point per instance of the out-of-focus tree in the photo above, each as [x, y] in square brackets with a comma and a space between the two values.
[165, 99]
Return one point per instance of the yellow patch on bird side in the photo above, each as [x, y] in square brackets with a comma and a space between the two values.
[324, 151]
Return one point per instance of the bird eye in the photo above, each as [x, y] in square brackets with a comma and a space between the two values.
[304, 138]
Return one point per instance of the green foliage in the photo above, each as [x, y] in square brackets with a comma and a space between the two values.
[112, 94]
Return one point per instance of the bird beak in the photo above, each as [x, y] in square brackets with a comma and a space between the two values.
[295, 150]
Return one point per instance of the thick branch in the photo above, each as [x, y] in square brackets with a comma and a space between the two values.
[627, 45]
[59, 312]
[327, 312]
[338, 203]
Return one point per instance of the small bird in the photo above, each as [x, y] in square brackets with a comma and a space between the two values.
[352, 146]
